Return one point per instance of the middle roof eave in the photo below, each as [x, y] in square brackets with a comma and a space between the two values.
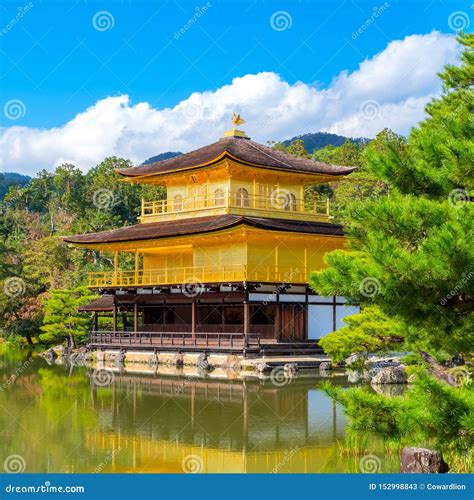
[185, 227]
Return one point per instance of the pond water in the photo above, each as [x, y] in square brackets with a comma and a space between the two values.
[60, 418]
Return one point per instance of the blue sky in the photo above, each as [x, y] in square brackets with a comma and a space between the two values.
[57, 62]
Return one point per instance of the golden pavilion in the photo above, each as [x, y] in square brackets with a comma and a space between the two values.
[223, 261]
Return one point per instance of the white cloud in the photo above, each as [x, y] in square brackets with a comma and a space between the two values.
[388, 90]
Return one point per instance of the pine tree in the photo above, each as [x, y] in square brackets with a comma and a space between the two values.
[410, 250]
[62, 321]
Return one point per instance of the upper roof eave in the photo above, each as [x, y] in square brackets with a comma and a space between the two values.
[241, 150]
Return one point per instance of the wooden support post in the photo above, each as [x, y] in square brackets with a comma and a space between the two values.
[95, 322]
[277, 319]
[115, 315]
[135, 317]
[246, 320]
[222, 316]
[193, 319]
[137, 265]
[306, 316]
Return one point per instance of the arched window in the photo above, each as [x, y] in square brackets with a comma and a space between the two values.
[242, 198]
[219, 197]
[290, 203]
[177, 203]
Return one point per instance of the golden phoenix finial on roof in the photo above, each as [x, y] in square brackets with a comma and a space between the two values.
[237, 120]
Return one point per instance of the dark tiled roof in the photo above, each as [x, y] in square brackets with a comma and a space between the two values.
[245, 150]
[166, 229]
[103, 303]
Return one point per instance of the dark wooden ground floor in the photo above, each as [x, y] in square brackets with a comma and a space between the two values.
[231, 321]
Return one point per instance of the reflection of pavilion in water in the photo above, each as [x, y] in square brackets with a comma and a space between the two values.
[232, 425]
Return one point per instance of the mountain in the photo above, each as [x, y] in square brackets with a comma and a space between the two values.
[8, 179]
[162, 156]
[318, 140]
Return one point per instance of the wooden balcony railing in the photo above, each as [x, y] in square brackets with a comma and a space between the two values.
[281, 203]
[189, 277]
[173, 339]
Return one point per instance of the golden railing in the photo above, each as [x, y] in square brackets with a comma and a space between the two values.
[281, 201]
[189, 277]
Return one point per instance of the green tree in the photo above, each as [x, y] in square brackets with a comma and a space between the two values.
[296, 148]
[410, 249]
[430, 414]
[366, 332]
[62, 321]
